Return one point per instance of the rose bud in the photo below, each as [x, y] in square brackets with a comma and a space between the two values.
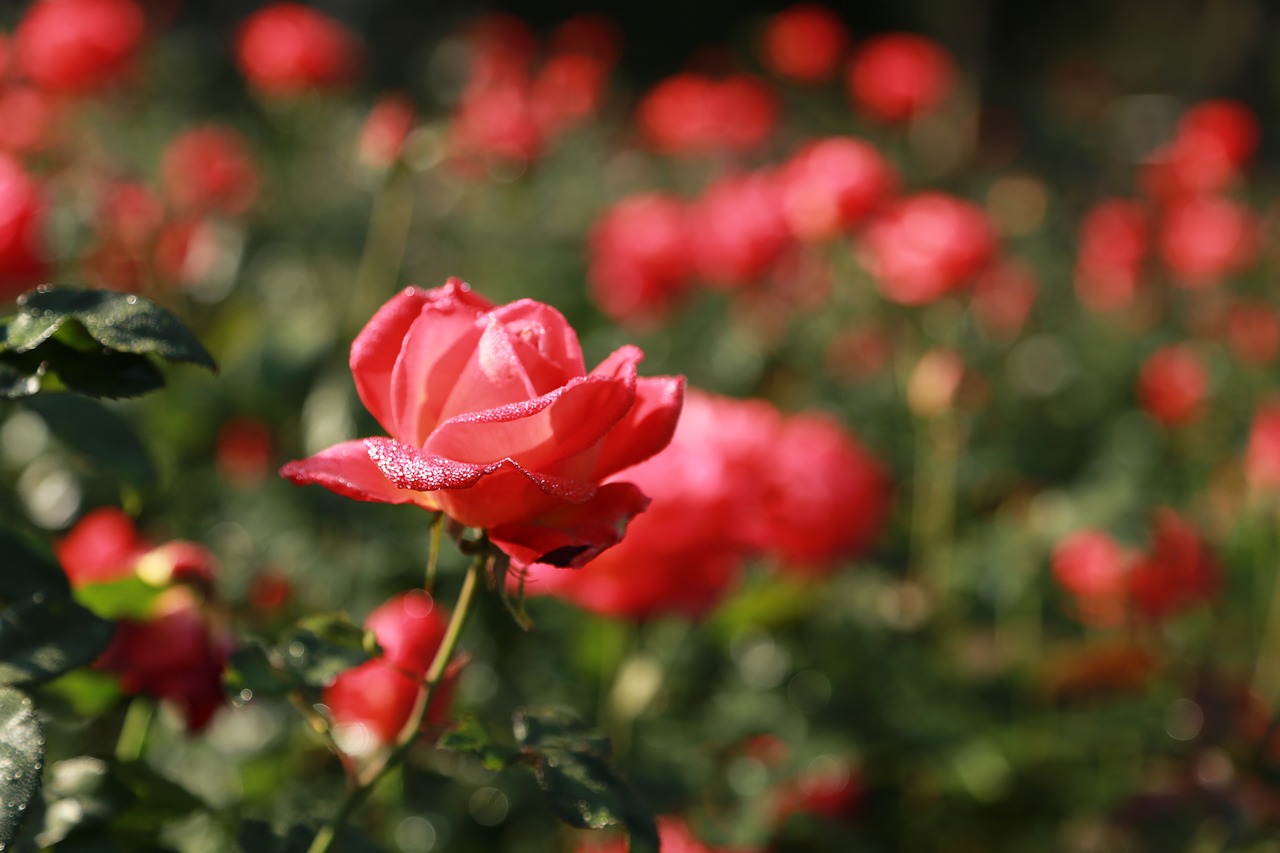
[804, 43]
[376, 698]
[1173, 384]
[288, 49]
[103, 546]
[209, 169]
[830, 186]
[897, 76]
[79, 46]
[1178, 574]
[640, 258]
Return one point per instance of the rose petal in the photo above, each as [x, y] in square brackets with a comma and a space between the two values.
[476, 495]
[492, 376]
[573, 535]
[376, 349]
[647, 428]
[430, 364]
[347, 470]
[543, 433]
[544, 342]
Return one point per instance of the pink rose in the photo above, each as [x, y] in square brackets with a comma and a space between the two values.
[493, 420]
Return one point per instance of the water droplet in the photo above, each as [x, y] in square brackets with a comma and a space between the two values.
[132, 300]
[22, 300]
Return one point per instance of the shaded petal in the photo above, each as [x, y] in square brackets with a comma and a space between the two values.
[347, 470]
[647, 428]
[375, 350]
[433, 356]
[571, 536]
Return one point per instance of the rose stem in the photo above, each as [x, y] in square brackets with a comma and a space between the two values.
[134, 729]
[409, 734]
[433, 556]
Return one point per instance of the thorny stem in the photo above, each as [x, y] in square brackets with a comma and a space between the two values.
[328, 834]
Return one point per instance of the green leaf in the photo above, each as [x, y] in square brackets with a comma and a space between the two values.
[57, 367]
[127, 598]
[21, 759]
[119, 321]
[43, 631]
[320, 647]
[91, 429]
[571, 764]
[16, 384]
[80, 795]
[469, 737]
[558, 727]
[253, 667]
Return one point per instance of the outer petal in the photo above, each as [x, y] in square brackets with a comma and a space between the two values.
[573, 535]
[542, 432]
[499, 492]
[376, 349]
[647, 428]
[347, 470]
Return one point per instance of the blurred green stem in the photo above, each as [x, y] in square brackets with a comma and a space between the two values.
[328, 834]
[937, 456]
[383, 253]
[133, 731]
[433, 556]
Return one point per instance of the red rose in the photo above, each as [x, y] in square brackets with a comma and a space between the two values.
[22, 261]
[640, 257]
[103, 546]
[1205, 238]
[76, 46]
[1179, 573]
[1094, 569]
[385, 130]
[897, 76]
[1173, 384]
[1262, 454]
[378, 696]
[831, 185]
[1113, 247]
[683, 553]
[691, 113]
[209, 169]
[737, 231]
[493, 420]
[179, 654]
[927, 246]
[804, 43]
[288, 49]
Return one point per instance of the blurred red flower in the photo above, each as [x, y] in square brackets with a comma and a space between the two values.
[926, 246]
[1093, 568]
[209, 169]
[1262, 453]
[1002, 298]
[78, 46]
[1215, 140]
[1178, 573]
[288, 49]
[640, 257]
[1205, 238]
[244, 450]
[22, 259]
[1173, 384]
[178, 654]
[103, 546]
[378, 696]
[691, 113]
[1253, 331]
[897, 76]
[1113, 247]
[737, 231]
[385, 130]
[832, 185]
[824, 496]
[804, 43]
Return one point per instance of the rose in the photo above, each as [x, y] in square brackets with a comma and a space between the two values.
[377, 697]
[288, 49]
[493, 421]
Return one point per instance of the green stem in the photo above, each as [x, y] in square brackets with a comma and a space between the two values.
[433, 557]
[1266, 672]
[133, 731]
[328, 834]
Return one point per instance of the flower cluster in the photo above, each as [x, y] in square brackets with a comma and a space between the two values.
[1106, 582]
[738, 480]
